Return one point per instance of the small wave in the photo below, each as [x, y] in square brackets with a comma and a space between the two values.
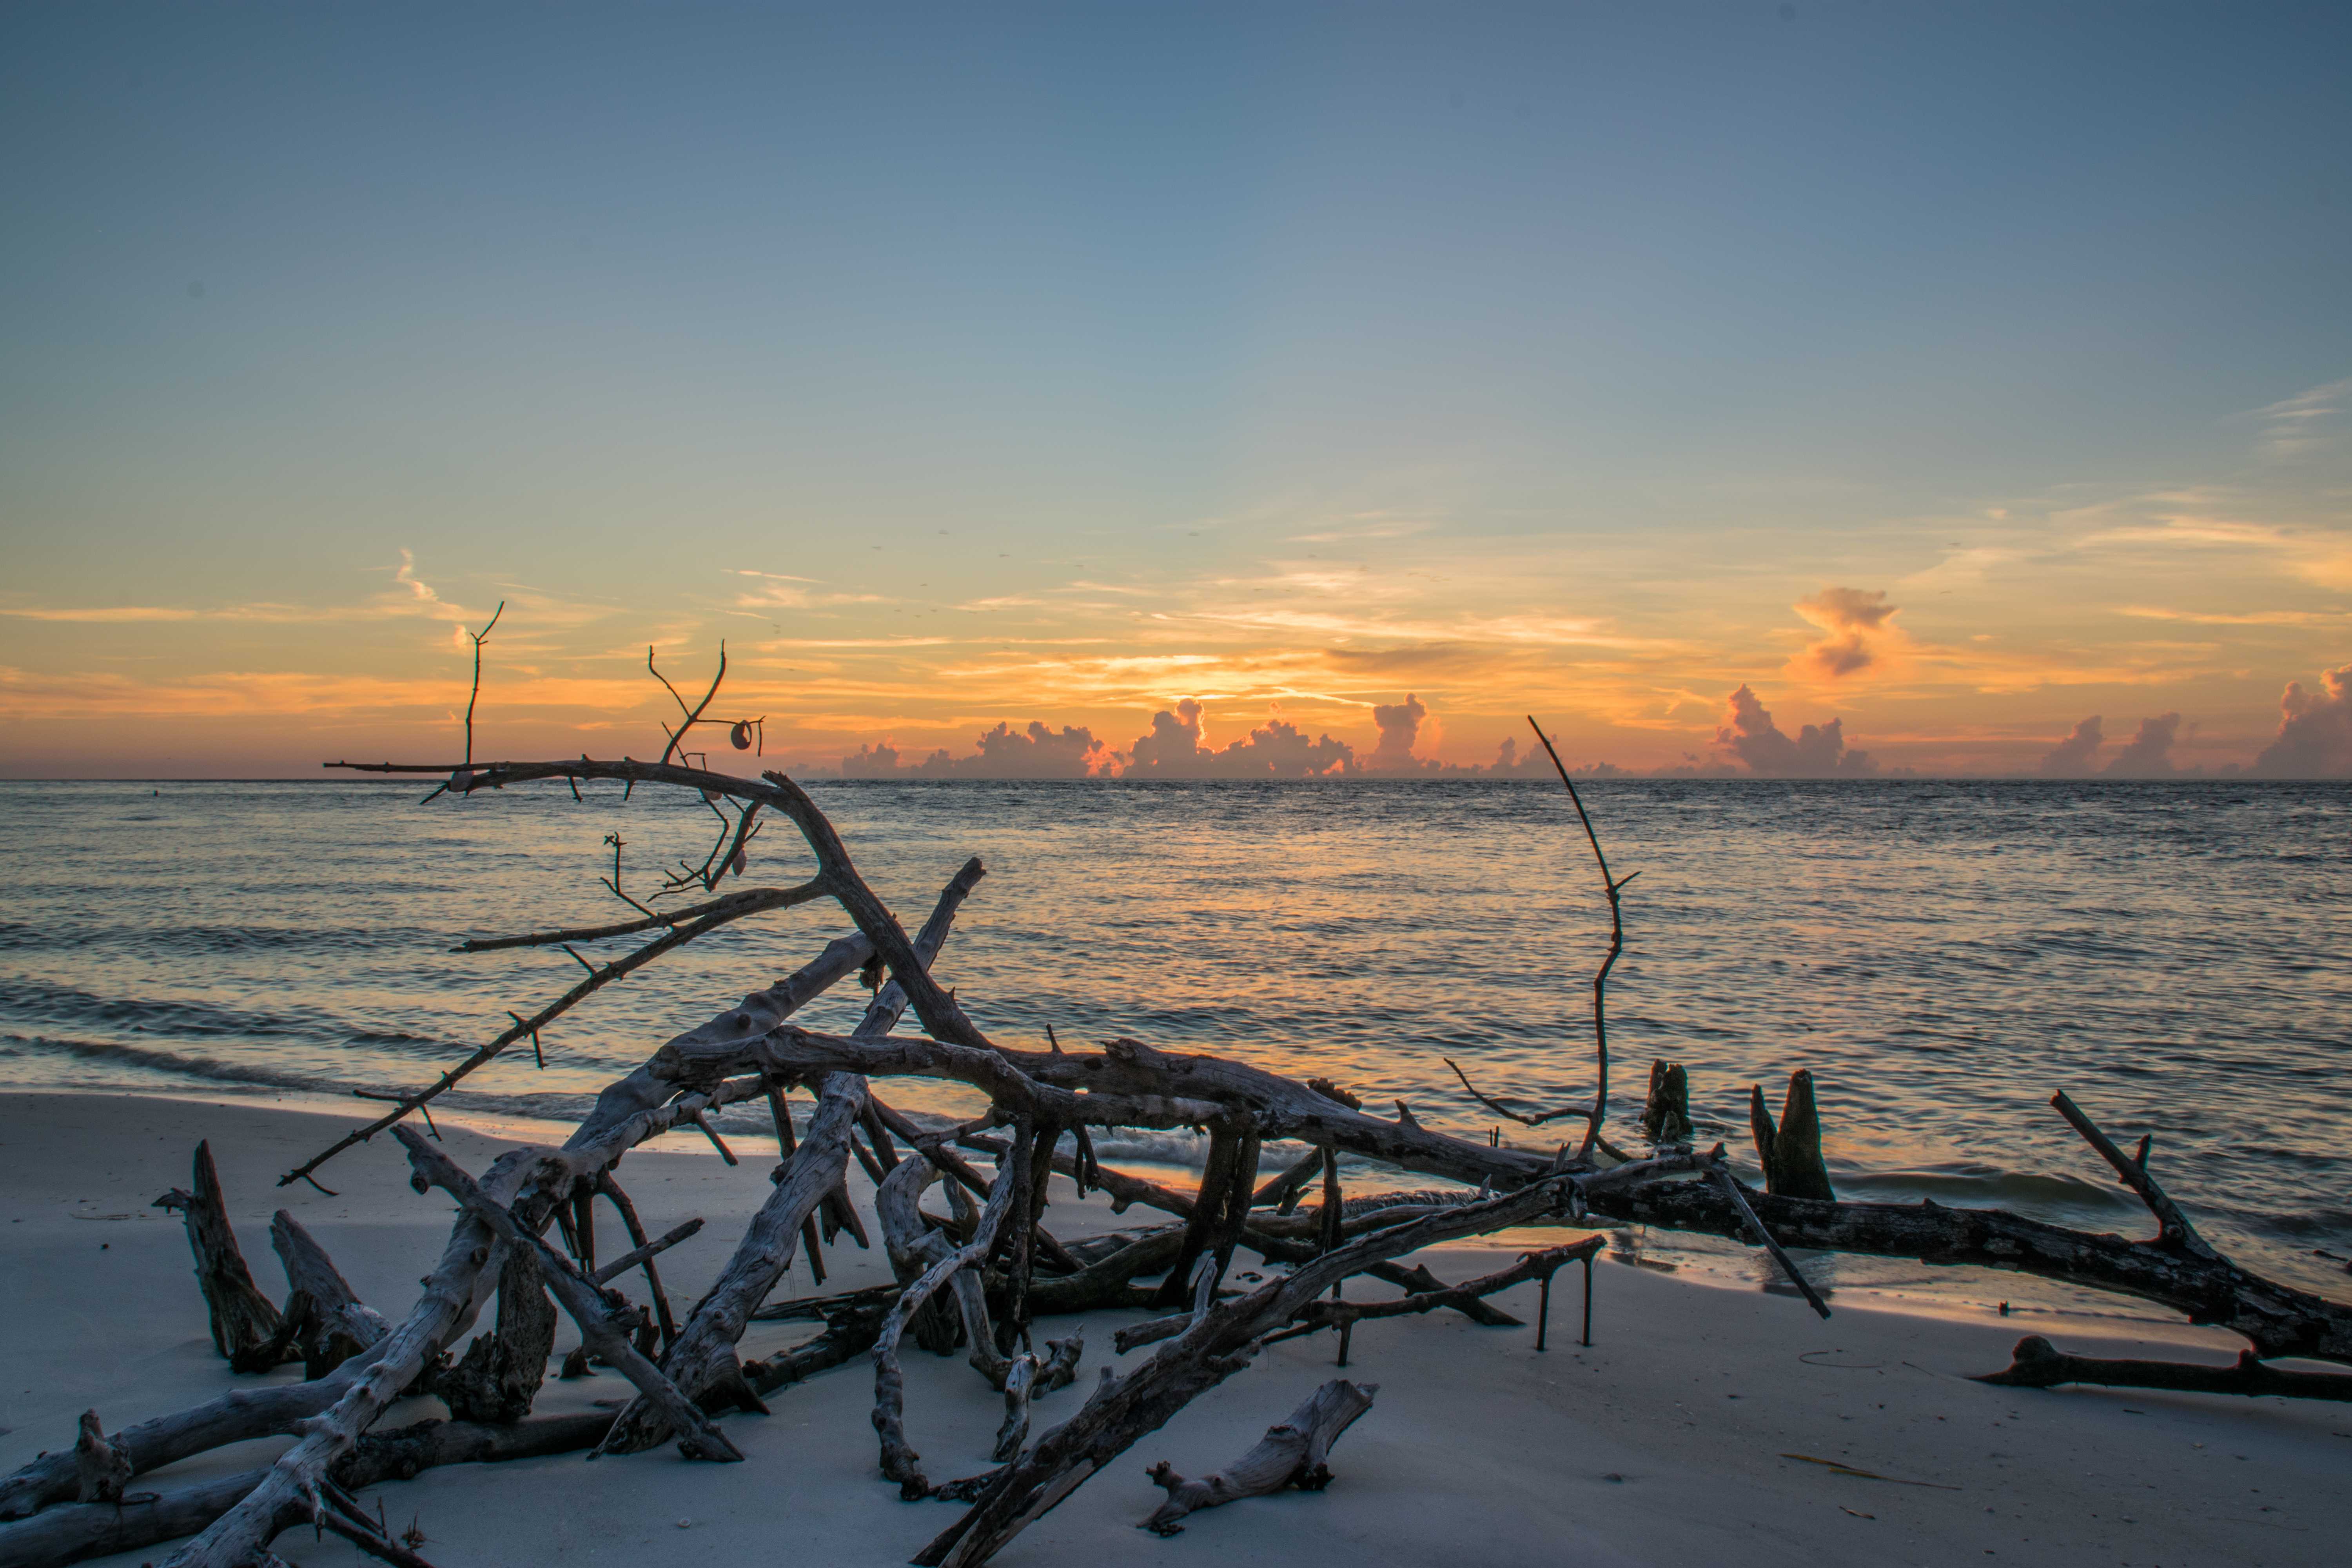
[1986, 1186]
[172, 1062]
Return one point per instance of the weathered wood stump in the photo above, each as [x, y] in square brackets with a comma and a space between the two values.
[1665, 1118]
[1791, 1153]
[244, 1323]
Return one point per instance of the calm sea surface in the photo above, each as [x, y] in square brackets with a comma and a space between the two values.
[1943, 956]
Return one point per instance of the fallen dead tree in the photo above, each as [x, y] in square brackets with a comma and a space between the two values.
[992, 1265]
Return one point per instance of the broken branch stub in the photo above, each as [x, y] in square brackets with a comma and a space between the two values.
[245, 1323]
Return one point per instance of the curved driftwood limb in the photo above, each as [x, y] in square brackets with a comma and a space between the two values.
[702, 1361]
[900, 1463]
[245, 1323]
[773, 791]
[699, 1439]
[1291, 1454]
[1109, 1283]
[913, 1246]
[1028, 1378]
[2037, 1364]
[1285, 1191]
[1222, 1343]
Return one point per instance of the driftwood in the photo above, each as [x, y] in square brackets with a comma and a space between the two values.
[333, 1324]
[245, 1323]
[2037, 1364]
[703, 1358]
[900, 1463]
[500, 1373]
[599, 1327]
[73, 1533]
[1000, 1264]
[1537, 1265]
[1790, 1152]
[1221, 1342]
[1291, 1454]
[1665, 1114]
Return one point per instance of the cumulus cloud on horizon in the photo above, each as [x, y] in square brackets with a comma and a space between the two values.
[2077, 755]
[2314, 732]
[1035, 753]
[1400, 727]
[2148, 753]
[1816, 752]
[1278, 749]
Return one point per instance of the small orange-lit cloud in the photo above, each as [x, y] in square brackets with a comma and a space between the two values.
[1861, 635]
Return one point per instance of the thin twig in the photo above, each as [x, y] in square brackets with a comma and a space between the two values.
[479, 638]
[1616, 945]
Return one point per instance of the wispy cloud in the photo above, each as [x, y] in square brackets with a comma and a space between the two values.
[2239, 618]
[2305, 423]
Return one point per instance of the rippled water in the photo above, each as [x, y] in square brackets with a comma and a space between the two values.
[1942, 956]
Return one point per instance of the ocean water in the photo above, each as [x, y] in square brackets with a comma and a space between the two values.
[1942, 956]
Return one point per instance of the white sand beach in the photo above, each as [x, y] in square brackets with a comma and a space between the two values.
[1667, 1442]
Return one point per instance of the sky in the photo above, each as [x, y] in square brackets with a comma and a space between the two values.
[1810, 389]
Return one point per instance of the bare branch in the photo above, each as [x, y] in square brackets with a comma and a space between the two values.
[1616, 945]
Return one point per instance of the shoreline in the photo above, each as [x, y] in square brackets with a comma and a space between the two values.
[1669, 1440]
